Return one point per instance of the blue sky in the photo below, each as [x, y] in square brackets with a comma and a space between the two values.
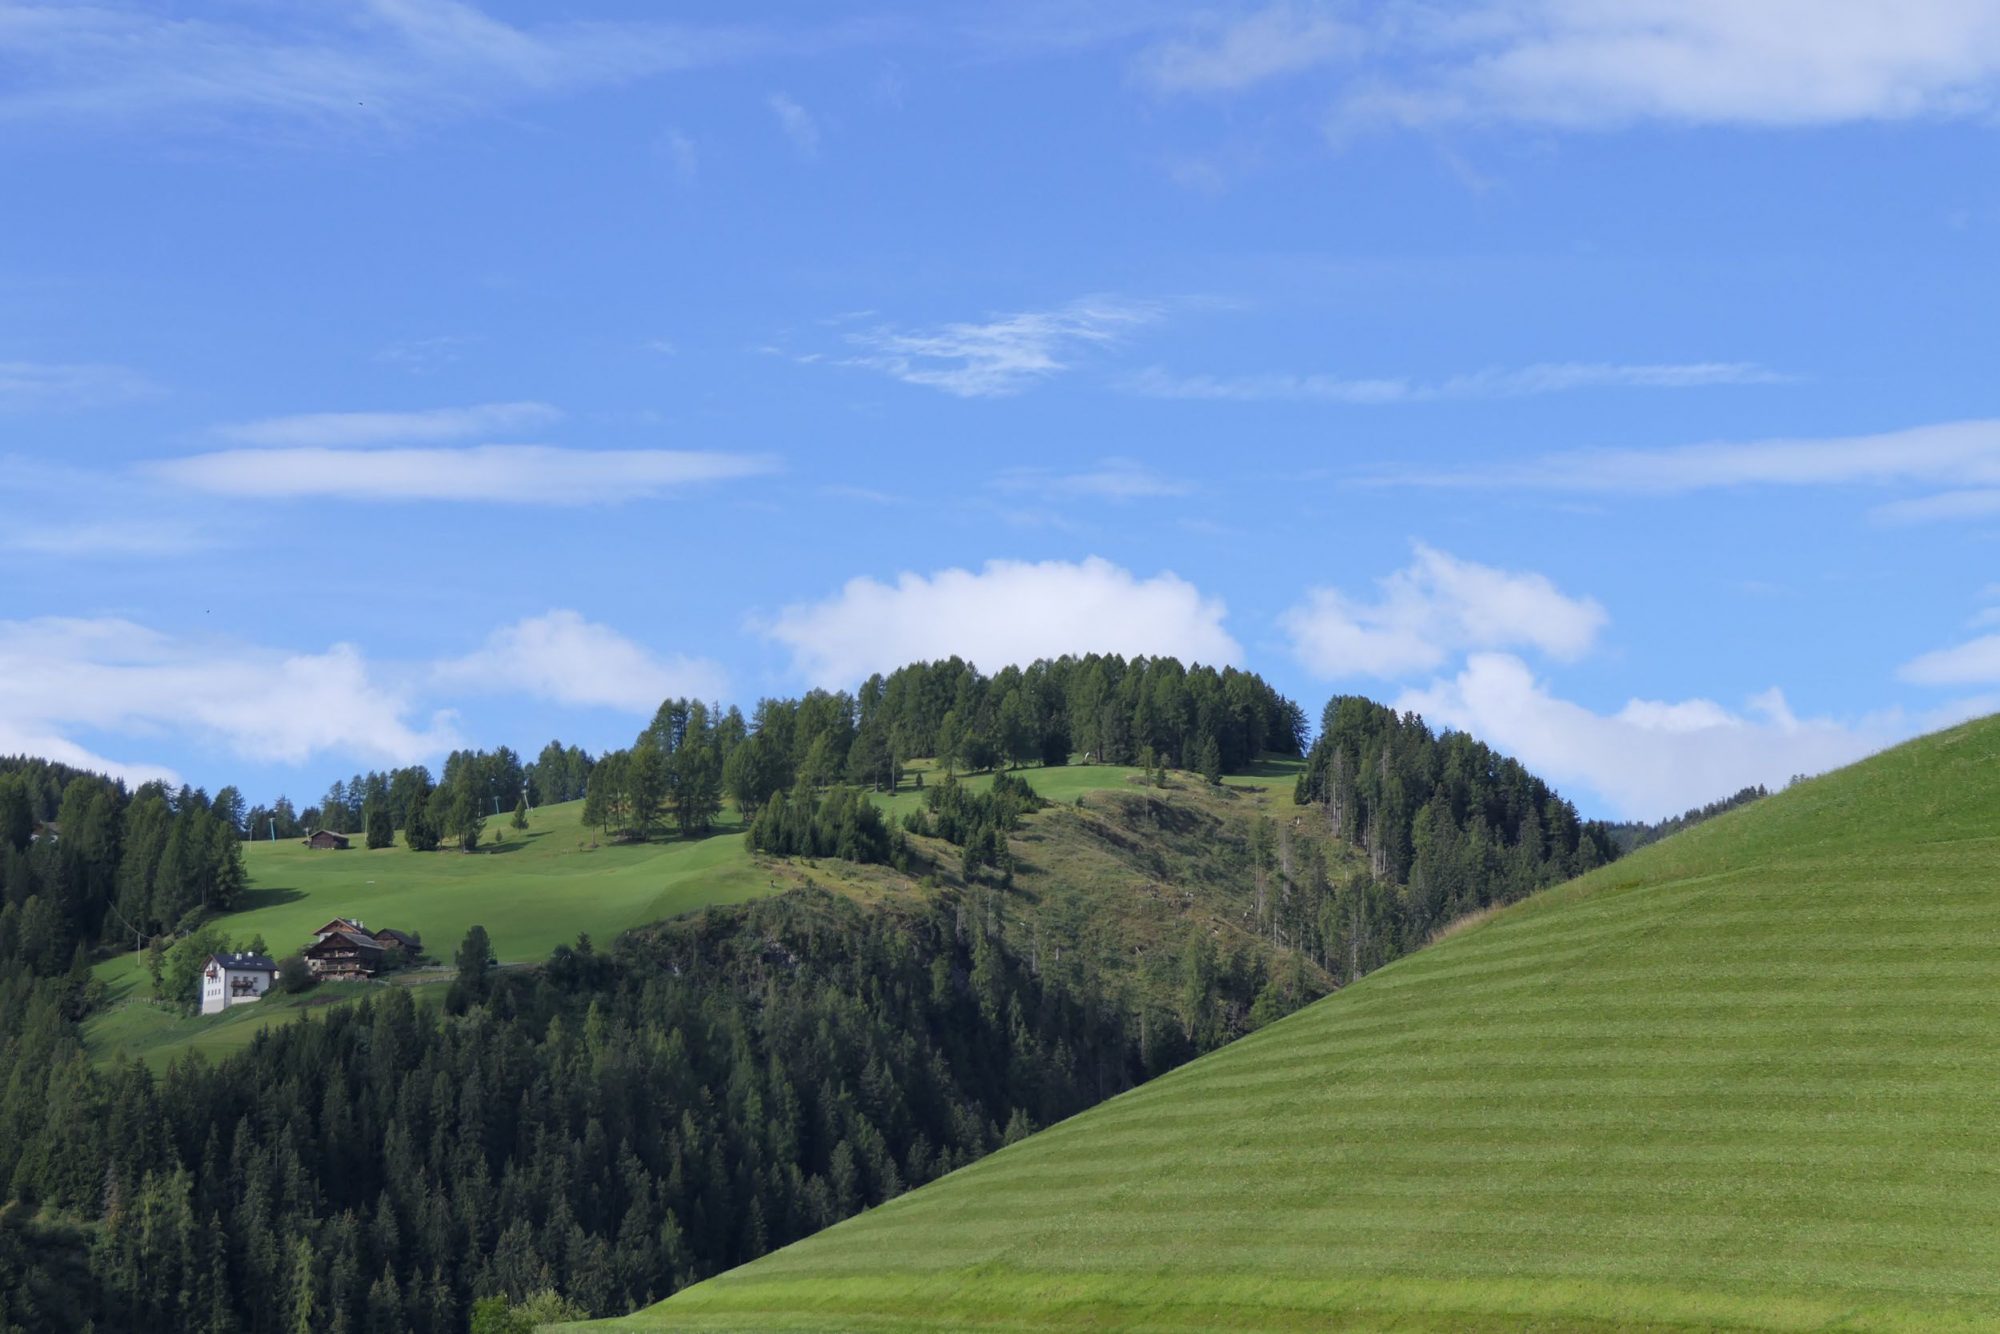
[1611, 380]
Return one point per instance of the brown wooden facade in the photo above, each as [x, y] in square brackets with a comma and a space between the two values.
[343, 956]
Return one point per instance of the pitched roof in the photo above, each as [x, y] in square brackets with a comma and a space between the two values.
[402, 938]
[358, 939]
[244, 963]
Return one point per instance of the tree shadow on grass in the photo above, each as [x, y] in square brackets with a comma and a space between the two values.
[269, 896]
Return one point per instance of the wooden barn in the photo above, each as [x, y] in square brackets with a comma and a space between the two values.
[326, 841]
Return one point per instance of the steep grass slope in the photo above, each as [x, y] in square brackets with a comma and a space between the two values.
[1749, 1077]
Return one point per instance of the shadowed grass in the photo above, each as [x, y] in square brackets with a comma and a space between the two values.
[1744, 1078]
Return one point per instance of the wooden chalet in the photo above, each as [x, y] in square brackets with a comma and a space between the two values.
[325, 840]
[346, 950]
[391, 939]
[343, 956]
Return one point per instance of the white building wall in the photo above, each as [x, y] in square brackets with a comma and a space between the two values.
[218, 993]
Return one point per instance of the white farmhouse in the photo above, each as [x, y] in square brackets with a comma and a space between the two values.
[232, 979]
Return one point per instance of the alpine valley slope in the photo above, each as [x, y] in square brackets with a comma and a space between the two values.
[1746, 1077]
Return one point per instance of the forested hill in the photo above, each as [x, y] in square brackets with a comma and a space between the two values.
[950, 960]
[1740, 1080]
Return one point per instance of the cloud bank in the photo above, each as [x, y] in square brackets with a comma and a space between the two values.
[1006, 612]
[1436, 607]
[107, 675]
[1651, 758]
[560, 656]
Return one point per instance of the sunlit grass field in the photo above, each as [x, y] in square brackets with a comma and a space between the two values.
[1748, 1077]
[532, 890]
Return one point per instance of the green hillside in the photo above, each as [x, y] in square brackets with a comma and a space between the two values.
[531, 890]
[1746, 1077]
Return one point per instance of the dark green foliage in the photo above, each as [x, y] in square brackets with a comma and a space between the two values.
[978, 822]
[381, 828]
[1449, 827]
[520, 817]
[612, 1127]
[1631, 835]
[45, 1278]
[843, 823]
[475, 967]
[420, 828]
[294, 976]
[102, 863]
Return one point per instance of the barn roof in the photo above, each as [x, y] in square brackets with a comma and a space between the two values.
[244, 963]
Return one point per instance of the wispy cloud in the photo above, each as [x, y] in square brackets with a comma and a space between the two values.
[1112, 479]
[499, 474]
[679, 153]
[1003, 355]
[423, 356]
[90, 538]
[1604, 63]
[1522, 382]
[335, 430]
[380, 63]
[1222, 57]
[1962, 458]
[1595, 64]
[797, 124]
[26, 385]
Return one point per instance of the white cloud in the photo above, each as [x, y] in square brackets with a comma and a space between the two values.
[1113, 479]
[1436, 607]
[428, 426]
[1651, 758]
[59, 675]
[1962, 457]
[1004, 355]
[504, 474]
[28, 385]
[797, 123]
[1526, 381]
[1281, 40]
[1599, 64]
[1975, 662]
[1588, 64]
[1007, 612]
[379, 63]
[562, 657]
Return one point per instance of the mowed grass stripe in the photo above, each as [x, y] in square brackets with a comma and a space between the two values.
[1744, 1078]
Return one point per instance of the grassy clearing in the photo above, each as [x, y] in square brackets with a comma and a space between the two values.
[531, 891]
[1743, 1078]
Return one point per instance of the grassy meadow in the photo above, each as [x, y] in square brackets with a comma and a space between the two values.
[532, 890]
[1744, 1078]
